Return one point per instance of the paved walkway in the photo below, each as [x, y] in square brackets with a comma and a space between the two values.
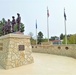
[45, 64]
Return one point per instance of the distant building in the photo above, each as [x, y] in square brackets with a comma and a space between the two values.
[56, 41]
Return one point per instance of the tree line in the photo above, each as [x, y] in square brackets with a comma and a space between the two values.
[71, 38]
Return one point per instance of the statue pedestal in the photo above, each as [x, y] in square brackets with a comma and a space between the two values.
[18, 32]
[15, 50]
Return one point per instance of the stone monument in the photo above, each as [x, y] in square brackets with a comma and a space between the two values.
[15, 48]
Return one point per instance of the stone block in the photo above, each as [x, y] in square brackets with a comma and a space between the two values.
[10, 55]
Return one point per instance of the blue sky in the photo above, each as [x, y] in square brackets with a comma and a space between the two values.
[31, 10]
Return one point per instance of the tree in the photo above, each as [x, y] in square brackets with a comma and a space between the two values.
[30, 34]
[21, 27]
[62, 36]
[71, 39]
[40, 37]
[2, 22]
[45, 40]
[53, 37]
[33, 41]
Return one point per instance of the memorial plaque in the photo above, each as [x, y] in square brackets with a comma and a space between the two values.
[21, 48]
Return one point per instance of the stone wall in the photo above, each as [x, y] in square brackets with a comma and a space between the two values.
[15, 50]
[69, 50]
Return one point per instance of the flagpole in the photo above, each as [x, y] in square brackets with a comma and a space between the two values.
[36, 32]
[65, 33]
[65, 27]
[48, 24]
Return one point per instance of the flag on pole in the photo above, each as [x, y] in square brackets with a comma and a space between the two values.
[36, 24]
[36, 32]
[48, 24]
[64, 14]
[47, 12]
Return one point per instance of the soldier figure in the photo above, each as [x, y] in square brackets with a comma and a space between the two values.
[13, 23]
[5, 28]
[18, 21]
[8, 26]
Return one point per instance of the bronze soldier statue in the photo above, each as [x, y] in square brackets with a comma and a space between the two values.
[5, 28]
[8, 26]
[13, 23]
[18, 21]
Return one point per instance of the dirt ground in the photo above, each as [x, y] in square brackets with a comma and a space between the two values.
[45, 64]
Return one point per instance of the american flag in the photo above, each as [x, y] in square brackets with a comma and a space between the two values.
[47, 12]
[36, 24]
[64, 14]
